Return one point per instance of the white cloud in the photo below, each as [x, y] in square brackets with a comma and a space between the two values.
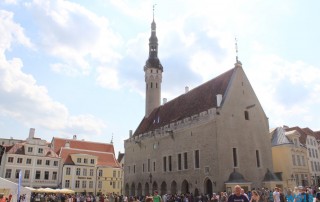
[107, 78]
[74, 35]
[23, 99]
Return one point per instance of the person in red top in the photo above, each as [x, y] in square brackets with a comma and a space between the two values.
[2, 197]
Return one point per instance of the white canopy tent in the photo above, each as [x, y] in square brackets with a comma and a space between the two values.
[7, 187]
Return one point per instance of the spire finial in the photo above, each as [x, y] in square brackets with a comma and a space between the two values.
[236, 43]
[154, 5]
[111, 142]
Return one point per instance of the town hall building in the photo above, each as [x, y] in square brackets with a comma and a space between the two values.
[206, 140]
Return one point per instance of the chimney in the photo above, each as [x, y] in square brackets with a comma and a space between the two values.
[219, 99]
[74, 137]
[31, 132]
[67, 145]
[130, 133]
[164, 100]
[186, 89]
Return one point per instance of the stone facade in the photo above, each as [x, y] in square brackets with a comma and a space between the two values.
[196, 141]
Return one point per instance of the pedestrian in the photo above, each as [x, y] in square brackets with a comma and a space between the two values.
[255, 196]
[237, 196]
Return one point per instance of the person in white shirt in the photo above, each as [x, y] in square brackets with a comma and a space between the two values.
[276, 195]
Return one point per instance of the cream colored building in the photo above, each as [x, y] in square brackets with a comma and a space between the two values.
[203, 141]
[38, 163]
[290, 158]
[88, 167]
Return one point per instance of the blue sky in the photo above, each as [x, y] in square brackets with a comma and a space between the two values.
[76, 67]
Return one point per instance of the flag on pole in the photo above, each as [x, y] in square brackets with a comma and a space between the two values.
[19, 185]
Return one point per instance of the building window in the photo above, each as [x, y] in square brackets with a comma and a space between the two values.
[119, 173]
[54, 175]
[84, 172]
[313, 153]
[30, 149]
[17, 173]
[38, 174]
[258, 158]
[309, 152]
[84, 184]
[298, 159]
[170, 163]
[100, 173]
[91, 172]
[154, 166]
[28, 161]
[77, 184]
[8, 173]
[67, 184]
[303, 162]
[293, 159]
[68, 171]
[46, 175]
[19, 160]
[134, 168]
[40, 150]
[246, 115]
[78, 171]
[85, 160]
[164, 164]
[151, 85]
[78, 160]
[148, 165]
[99, 184]
[113, 185]
[39, 161]
[143, 167]
[10, 159]
[156, 85]
[114, 173]
[295, 142]
[196, 159]
[26, 174]
[316, 153]
[185, 160]
[55, 163]
[48, 162]
[90, 184]
[92, 161]
[235, 158]
[179, 161]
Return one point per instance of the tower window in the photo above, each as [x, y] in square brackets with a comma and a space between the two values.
[246, 115]
[258, 158]
[235, 160]
[156, 85]
[151, 70]
[151, 85]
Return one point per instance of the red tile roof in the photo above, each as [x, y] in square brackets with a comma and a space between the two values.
[303, 133]
[57, 143]
[104, 158]
[18, 148]
[194, 102]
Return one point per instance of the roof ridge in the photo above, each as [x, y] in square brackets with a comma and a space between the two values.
[83, 141]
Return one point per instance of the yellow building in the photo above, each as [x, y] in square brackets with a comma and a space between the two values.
[289, 157]
[88, 167]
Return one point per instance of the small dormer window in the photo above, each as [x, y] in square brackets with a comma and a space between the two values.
[78, 160]
[92, 161]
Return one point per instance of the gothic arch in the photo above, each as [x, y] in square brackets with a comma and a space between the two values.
[126, 190]
[133, 189]
[154, 186]
[196, 192]
[163, 188]
[146, 189]
[173, 187]
[139, 190]
[208, 187]
[185, 187]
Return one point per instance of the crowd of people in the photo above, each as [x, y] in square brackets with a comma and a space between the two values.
[299, 194]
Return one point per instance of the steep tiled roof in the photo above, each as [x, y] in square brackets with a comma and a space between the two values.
[18, 148]
[194, 102]
[104, 158]
[303, 134]
[58, 143]
[120, 157]
[317, 135]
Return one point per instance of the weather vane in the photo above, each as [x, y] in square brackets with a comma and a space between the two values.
[236, 43]
[153, 9]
